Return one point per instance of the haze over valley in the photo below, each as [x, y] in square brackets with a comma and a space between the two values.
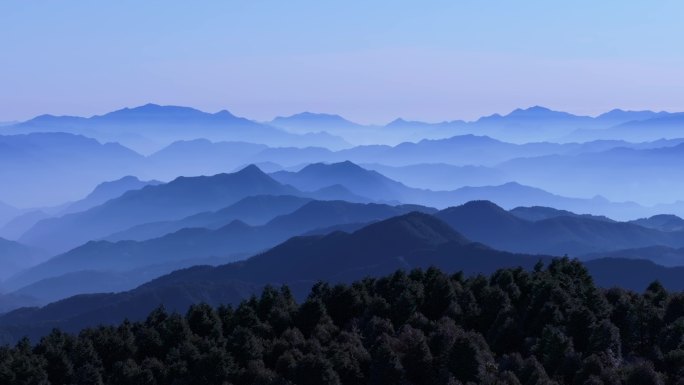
[217, 191]
[341, 193]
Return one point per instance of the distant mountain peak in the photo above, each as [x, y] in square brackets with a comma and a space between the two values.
[537, 111]
[483, 204]
[224, 114]
[152, 109]
[533, 109]
[313, 120]
[620, 115]
[414, 226]
[313, 115]
[533, 113]
[397, 121]
[251, 169]
[346, 166]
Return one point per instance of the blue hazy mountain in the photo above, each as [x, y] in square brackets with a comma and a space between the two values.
[253, 210]
[459, 150]
[7, 213]
[393, 133]
[9, 302]
[103, 192]
[355, 178]
[405, 242]
[202, 157]
[17, 226]
[532, 124]
[621, 174]
[618, 116]
[106, 191]
[65, 165]
[538, 213]
[413, 240]
[539, 124]
[441, 176]
[662, 222]
[378, 187]
[644, 128]
[180, 198]
[233, 239]
[661, 255]
[574, 235]
[634, 274]
[149, 127]
[15, 257]
[79, 282]
[312, 122]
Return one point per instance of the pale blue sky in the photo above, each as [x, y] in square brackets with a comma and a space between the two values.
[370, 61]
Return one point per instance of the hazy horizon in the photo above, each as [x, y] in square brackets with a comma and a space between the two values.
[371, 63]
[378, 123]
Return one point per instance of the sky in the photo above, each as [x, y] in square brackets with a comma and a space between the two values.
[370, 61]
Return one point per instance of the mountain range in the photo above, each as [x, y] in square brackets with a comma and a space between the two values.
[49, 160]
[161, 247]
[228, 241]
[66, 165]
[109, 216]
[15, 257]
[531, 124]
[561, 234]
[174, 200]
[186, 197]
[621, 173]
[414, 240]
[150, 127]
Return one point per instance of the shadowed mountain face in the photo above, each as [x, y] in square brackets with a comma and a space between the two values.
[662, 222]
[175, 200]
[662, 255]
[634, 274]
[150, 127]
[574, 235]
[412, 240]
[254, 210]
[538, 213]
[129, 231]
[9, 302]
[233, 239]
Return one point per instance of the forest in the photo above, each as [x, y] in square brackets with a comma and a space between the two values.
[550, 325]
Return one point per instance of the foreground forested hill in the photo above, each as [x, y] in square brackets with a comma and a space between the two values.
[549, 325]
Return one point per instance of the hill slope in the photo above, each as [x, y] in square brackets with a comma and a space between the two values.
[174, 200]
[231, 240]
[575, 235]
[411, 240]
